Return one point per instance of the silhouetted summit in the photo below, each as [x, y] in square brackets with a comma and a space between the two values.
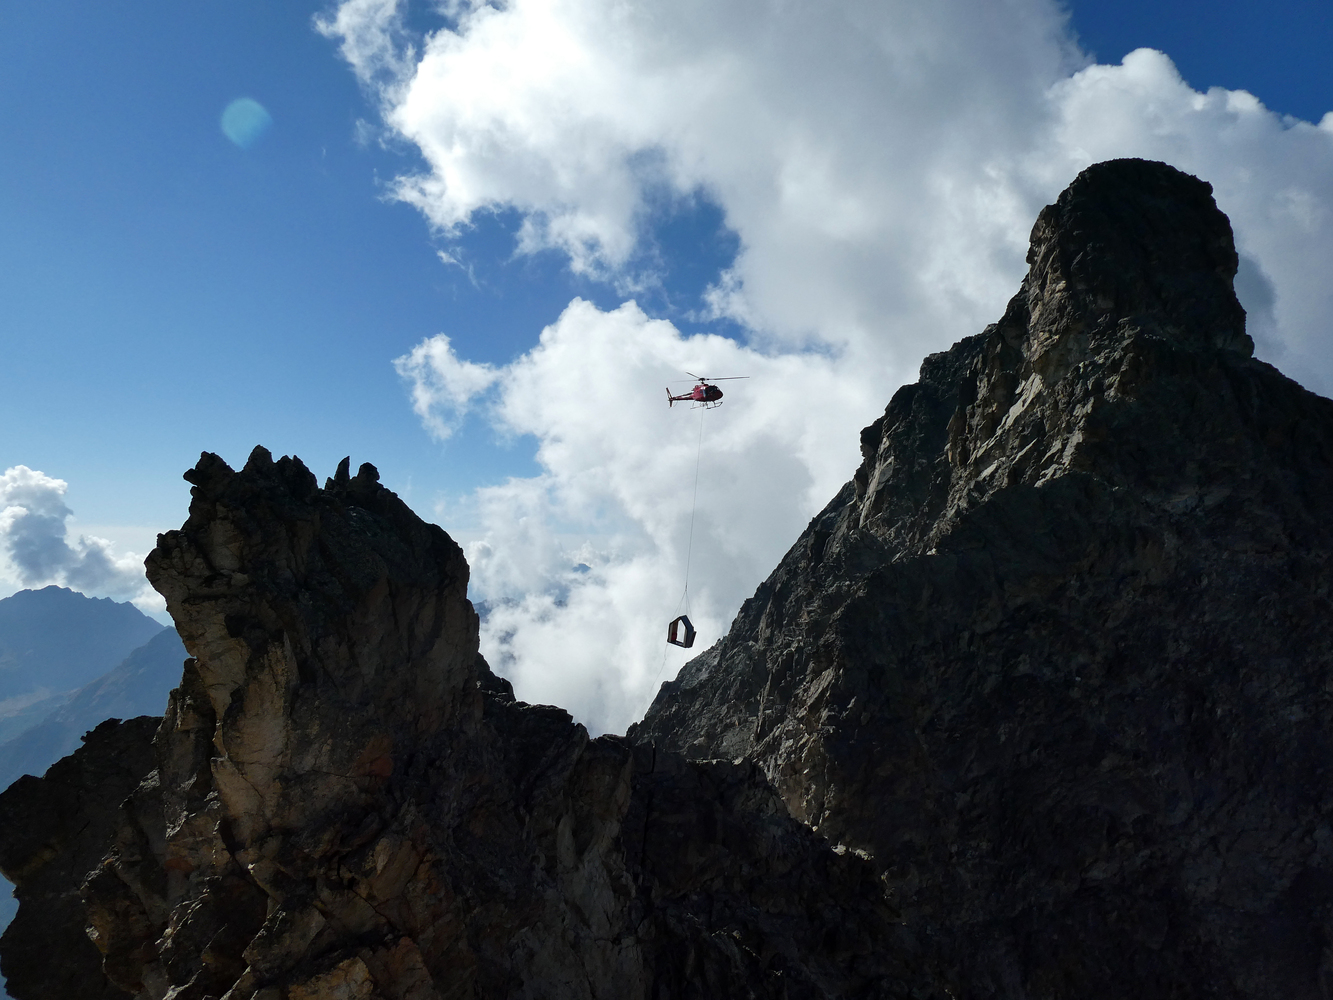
[1058, 657]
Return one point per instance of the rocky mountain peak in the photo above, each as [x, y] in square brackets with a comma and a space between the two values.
[1128, 301]
[342, 802]
[1129, 243]
[1057, 650]
[330, 628]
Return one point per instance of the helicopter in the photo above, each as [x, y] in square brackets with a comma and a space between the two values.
[704, 394]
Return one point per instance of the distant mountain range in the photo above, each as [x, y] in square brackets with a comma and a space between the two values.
[68, 662]
[138, 686]
[54, 641]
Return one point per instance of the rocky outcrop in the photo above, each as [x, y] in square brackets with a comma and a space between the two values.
[343, 802]
[53, 831]
[1058, 658]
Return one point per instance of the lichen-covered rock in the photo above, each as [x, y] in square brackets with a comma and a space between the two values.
[1059, 657]
[344, 802]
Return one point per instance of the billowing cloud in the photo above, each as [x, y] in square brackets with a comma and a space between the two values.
[881, 164]
[583, 565]
[37, 548]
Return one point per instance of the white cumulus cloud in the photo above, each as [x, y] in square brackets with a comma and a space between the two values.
[36, 550]
[881, 163]
[583, 565]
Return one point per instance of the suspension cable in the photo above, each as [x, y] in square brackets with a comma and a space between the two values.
[694, 506]
[689, 552]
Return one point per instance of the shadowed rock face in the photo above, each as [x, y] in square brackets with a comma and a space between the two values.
[1059, 658]
[1035, 708]
[344, 802]
[53, 831]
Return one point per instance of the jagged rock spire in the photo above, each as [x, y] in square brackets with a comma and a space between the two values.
[1131, 242]
[1057, 657]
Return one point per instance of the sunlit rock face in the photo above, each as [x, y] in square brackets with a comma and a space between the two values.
[343, 802]
[1036, 708]
[1059, 657]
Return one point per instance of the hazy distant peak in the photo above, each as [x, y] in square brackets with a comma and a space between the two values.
[59, 639]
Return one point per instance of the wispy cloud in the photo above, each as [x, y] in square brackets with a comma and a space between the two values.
[443, 386]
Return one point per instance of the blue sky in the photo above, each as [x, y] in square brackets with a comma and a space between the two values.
[1277, 51]
[164, 291]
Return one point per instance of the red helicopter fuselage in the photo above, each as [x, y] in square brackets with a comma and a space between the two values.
[701, 393]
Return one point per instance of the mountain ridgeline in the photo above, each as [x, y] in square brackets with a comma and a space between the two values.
[52, 642]
[1059, 658]
[138, 685]
[1037, 707]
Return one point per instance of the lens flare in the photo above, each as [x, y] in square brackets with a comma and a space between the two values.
[244, 121]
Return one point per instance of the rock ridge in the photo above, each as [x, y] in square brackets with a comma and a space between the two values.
[1057, 657]
[342, 801]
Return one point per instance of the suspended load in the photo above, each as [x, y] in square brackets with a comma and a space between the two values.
[704, 396]
[680, 632]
